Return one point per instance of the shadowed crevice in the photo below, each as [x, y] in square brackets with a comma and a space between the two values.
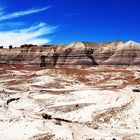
[43, 62]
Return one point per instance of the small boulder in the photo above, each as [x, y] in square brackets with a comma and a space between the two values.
[136, 90]
[46, 116]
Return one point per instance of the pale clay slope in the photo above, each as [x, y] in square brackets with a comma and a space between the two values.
[129, 45]
[76, 45]
[21, 120]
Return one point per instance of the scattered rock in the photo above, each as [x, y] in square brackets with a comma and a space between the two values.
[49, 117]
[11, 100]
[93, 125]
[59, 119]
[46, 116]
[136, 90]
[77, 105]
[47, 136]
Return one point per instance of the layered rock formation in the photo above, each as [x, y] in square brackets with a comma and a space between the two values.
[78, 53]
[126, 54]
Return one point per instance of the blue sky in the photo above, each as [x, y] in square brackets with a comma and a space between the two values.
[65, 21]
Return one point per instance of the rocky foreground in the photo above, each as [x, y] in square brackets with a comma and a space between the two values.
[74, 55]
[96, 103]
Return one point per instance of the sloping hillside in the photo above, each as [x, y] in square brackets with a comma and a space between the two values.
[74, 54]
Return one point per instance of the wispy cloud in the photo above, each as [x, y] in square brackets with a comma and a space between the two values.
[20, 13]
[16, 33]
[31, 35]
[10, 25]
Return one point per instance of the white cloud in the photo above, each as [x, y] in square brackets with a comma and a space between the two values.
[20, 13]
[31, 35]
[17, 33]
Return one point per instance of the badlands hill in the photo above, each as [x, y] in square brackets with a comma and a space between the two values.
[77, 53]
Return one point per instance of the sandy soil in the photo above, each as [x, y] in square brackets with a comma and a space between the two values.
[97, 103]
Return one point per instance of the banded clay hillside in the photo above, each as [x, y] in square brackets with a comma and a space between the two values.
[127, 54]
[78, 53]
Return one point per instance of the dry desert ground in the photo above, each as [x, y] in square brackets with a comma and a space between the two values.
[96, 103]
